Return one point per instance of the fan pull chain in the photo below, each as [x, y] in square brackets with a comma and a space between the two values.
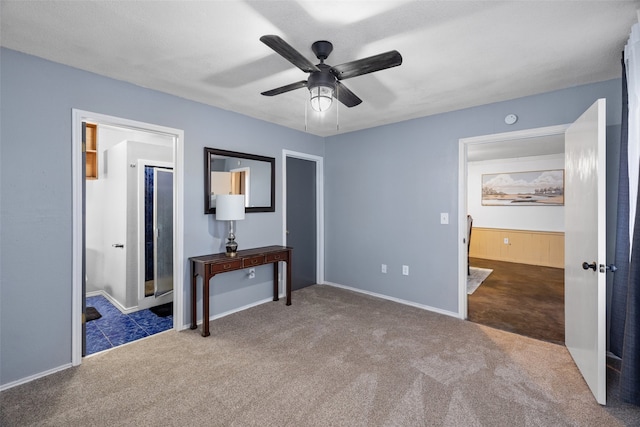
[337, 110]
[305, 116]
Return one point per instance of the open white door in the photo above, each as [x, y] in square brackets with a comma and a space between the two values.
[585, 251]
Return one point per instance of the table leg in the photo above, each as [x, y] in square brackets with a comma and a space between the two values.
[275, 281]
[205, 306]
[289, 280]
[194, 313]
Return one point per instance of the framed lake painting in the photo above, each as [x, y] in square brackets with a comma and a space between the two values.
[536, 188]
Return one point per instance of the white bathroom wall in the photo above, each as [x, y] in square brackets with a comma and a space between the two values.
[114, 225]
[535, 218]
[96, 242]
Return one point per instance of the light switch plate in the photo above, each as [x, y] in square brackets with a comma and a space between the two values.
[444, 218]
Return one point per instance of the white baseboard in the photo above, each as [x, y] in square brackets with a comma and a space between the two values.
[112, 300]
[235, 310]
[398, 300]
[30, 378]
[128, 310]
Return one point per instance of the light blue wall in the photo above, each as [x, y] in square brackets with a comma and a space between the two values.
[37, 98]
[386, 187]
[384, 190]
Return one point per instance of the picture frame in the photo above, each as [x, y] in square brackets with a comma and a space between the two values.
[529, 188]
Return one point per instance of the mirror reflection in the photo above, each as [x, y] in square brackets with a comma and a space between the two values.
[230, 172]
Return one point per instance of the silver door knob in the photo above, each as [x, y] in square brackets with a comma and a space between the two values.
[611, 267]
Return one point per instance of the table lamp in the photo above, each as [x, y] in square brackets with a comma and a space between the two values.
[230, 207]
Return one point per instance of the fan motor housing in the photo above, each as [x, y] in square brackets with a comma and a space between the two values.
[322, 49]
[321, 78]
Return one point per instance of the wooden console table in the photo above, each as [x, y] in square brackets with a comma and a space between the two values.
[207, 266]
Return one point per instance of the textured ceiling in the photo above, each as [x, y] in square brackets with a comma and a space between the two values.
[523, 147]
[456, 54]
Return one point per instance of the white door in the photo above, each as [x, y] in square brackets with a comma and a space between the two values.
[585, 251]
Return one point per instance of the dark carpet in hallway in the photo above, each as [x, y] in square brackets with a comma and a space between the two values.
[524, 299]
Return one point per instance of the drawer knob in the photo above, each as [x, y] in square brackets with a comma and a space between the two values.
[254, 261]
[227, 266]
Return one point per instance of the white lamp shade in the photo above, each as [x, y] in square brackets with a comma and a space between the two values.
[229, 207]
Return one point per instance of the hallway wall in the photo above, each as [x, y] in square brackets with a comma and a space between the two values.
[539, 218]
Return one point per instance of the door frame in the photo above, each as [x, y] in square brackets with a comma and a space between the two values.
[463, 144]
[319, 161]
[79, 116]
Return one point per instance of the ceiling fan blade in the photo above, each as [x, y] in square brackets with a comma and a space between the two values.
[367, 65]
[285, 50]
[287, 88]
[344, 95]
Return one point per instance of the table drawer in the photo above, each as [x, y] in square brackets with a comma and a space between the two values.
[253, 261]
[226, 266]
[281, 256]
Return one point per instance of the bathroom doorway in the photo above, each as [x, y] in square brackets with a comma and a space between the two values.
[116, 195]
[129, 237]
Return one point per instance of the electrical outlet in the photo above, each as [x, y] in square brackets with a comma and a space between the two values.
[252, 273]
[506, 240]
[444, 218]
[383, 268]
[405, 270]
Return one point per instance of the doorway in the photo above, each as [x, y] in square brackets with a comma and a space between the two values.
[584, 237]
[129, 226]
[532, 142]
[303, 216]
[519, 247]
[135, 130]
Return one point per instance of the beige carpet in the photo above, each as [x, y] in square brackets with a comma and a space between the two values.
[333, 358]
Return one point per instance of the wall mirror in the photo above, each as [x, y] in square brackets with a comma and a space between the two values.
[230, 172]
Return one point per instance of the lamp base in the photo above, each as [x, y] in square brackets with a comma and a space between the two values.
[232, 246]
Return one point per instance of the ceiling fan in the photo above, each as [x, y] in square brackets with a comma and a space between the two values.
[324, 80]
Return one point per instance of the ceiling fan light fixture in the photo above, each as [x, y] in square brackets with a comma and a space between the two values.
[321, 98]
[321, 86]
[324, 82]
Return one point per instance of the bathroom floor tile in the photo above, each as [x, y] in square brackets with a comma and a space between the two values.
[96, 340]
[115, 328]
